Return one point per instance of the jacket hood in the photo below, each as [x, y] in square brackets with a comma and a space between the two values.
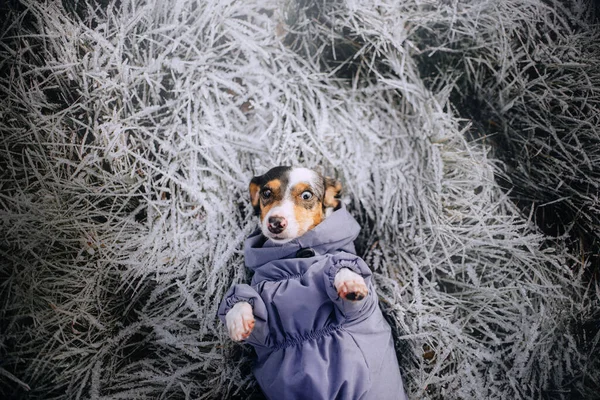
[336, 233]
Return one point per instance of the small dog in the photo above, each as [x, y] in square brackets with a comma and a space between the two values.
[311, 312]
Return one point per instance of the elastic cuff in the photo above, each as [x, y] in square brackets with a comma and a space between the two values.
[352, 264]
[236, 294]
[233, 300]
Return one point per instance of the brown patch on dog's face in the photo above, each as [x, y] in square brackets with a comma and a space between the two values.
[254, 189]
[270, 195]
[308, 207]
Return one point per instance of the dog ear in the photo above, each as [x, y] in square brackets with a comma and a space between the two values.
[333, 188]
[254, 189]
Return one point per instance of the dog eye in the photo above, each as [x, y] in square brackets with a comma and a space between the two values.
[266, 193]
[306, 195]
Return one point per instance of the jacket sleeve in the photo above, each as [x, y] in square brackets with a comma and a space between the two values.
[351, 310]
[243, 292]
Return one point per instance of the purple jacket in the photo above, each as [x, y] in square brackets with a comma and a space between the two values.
[311, 344]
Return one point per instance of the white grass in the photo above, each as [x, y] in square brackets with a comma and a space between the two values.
[129, 137]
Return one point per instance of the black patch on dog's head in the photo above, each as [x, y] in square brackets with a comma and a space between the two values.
[258, 182]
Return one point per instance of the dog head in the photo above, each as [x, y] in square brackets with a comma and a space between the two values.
[290, 201]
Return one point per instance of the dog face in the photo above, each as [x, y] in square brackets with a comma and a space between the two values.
[290, 201]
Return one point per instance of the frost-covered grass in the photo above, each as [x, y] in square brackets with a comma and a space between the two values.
[535, 94]
[129, 133]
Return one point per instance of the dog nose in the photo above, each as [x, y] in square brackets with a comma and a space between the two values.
[276, 224]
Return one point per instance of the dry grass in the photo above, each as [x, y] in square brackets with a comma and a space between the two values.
[129, 132]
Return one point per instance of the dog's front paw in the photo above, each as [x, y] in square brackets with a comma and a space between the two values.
[240, 321]
[350, 285]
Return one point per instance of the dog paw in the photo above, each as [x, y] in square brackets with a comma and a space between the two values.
[240, 321]
[349, 285]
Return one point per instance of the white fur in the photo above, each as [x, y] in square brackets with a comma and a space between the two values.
[285, 210]
[346, 275]
[300, 175]
[240, 321]
[347, 282]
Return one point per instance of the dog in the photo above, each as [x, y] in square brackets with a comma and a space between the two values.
[311, 312]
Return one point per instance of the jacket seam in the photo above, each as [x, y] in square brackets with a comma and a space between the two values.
[285, 278]
[316, 334]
